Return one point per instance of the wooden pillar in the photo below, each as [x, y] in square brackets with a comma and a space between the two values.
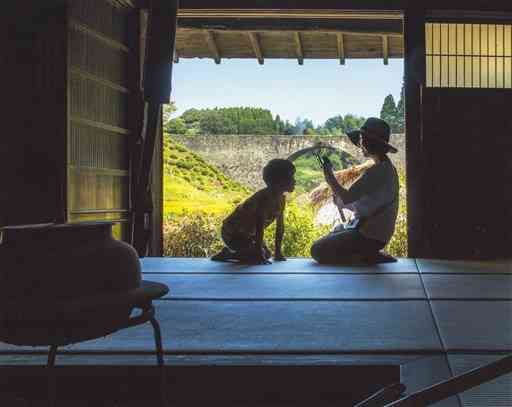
[33, 40]
[160, 44]
[414, 69]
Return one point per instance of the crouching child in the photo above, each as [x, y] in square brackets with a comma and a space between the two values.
[242, 231]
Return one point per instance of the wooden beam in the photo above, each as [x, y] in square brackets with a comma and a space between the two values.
[212, 45]
[341, 48]
[360, 27]
[385, 49]
[256, 47]
[288, 13]
[300, 48]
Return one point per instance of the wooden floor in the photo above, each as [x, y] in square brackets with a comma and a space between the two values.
[432, 318]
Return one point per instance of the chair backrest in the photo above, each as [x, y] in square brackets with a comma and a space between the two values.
[456, 385]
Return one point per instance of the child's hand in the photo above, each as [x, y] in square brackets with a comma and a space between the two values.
[262, 260]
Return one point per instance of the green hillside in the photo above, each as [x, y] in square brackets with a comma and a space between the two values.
[191, 184]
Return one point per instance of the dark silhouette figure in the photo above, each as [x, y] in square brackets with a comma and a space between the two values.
[373, 198]
[242, 230]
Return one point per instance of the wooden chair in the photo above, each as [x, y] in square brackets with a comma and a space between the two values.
[63, 323]
[391, 396]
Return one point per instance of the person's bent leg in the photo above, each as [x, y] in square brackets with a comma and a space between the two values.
[235, 246]
[343, 246]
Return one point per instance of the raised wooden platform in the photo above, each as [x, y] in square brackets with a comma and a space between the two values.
[432, 319]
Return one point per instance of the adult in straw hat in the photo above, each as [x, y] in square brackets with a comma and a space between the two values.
[373, 198]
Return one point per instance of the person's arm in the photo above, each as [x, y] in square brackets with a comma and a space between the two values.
[278, 255]
[331, 180]
[259, 237]
[347, 195]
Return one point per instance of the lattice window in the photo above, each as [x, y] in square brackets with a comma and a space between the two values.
[468, 55]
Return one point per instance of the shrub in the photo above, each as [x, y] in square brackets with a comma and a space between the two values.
[183, 164]
[398, 244]
[299, 231]
[197, 234]
[192, 235]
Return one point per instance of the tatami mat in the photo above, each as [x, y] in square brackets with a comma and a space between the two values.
[457, 286]
[475, 325]
[465, 267]
[293, 286]
[292, 265]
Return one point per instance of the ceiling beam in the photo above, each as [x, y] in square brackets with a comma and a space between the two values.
[289, 13]
[212, 45]
[256, 47]
[300, 48]
[341, 48]
[371, 27]
[385, 49]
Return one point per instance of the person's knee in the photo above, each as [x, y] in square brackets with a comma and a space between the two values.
[317, 251]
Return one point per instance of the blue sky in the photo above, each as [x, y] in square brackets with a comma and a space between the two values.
[319, 89]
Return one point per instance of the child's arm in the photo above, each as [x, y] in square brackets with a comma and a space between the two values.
[259, 238]
[278, 255]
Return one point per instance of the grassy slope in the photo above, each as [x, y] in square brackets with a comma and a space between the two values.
[191, 184]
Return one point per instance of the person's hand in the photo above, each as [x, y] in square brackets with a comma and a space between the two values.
[262, 260]
[263, 257]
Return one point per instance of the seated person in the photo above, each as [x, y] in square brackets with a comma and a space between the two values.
[373, 198]
[242, 231]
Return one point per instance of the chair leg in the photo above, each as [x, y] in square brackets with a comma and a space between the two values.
[160, 360]
[51, 376]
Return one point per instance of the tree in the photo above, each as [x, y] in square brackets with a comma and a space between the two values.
[279, 125]
[288, 128]
[400, 111]
[352, 122]
[389, 112]
[335, 122]
[168, 110]
[176, 126]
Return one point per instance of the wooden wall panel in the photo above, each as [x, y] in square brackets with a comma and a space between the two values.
[468, 183]
[101, 84]
[96, 148]
[98, 103]
[99, 58]
[103, 17]
[32, 147]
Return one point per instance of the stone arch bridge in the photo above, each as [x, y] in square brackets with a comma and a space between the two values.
[242, 157]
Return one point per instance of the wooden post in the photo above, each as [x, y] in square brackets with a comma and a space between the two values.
[414, 50]
[210, 39]
[160, 46]
[341, 48]
[300, 49]
[385, 49]
[256, 47]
